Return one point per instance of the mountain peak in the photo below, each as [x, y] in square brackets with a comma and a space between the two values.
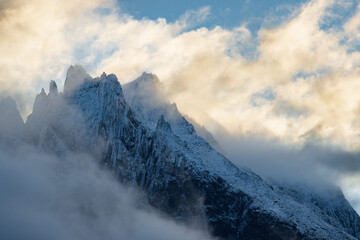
[53, 90]
[148, 77]
[147, 84]
[103, 75]
[75, 76]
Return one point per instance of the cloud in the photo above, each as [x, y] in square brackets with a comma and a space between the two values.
[351, 187]
[192, 18]
[313, 165]
[56, 189]
[36, 43]
[47, 197]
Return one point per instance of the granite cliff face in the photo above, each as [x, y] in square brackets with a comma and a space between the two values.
[146, 141]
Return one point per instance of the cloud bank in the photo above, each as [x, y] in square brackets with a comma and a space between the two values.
[72, 198]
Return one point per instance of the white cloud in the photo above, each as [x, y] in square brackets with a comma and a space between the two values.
[192, 18]
[46, 197]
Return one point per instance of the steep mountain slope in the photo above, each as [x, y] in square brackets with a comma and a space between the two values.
[153, 146]
[147, 99]
[142, 95]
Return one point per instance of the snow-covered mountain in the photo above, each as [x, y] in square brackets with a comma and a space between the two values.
[147, 142]
[147, 99]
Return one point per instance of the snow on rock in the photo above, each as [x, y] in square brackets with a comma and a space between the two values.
[147, 98]
[146, 141]
[163, 125]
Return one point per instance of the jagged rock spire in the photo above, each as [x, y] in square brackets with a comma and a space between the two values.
[53, 90]
[41, 100]
[75, 76]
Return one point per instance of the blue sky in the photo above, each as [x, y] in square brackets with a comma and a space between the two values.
[225, 13]
[228, 14]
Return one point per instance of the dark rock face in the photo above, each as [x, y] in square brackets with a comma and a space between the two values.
[181, 173]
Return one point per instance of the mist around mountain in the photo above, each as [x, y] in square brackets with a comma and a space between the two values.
[52, 191]
[105, 161]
